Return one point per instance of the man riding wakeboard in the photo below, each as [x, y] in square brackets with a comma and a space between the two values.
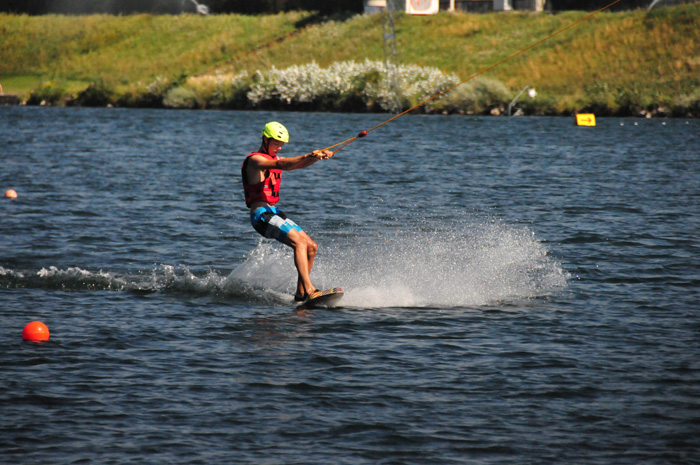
[262, 176]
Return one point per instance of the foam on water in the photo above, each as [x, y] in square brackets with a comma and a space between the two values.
[455, 264]
[162, 278]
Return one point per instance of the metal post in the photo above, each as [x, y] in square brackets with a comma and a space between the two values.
[532, 94]
[201, 8]
[391, 55]
[653, 4]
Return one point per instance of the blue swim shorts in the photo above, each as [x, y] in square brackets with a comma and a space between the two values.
[271, 222]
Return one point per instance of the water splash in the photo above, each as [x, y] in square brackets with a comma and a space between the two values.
[409, 265]
[457, 264]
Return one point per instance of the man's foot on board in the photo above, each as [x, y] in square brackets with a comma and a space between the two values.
[315, 293]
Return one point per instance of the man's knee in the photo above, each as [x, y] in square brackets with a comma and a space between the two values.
[311, 248]
[302, 241]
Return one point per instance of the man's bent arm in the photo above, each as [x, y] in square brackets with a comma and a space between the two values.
[292, 163]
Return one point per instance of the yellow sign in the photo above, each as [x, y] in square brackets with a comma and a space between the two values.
[585, 119]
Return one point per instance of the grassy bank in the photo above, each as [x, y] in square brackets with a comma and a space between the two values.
[622, 63]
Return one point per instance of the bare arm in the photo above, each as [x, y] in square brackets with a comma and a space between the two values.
[292, 163]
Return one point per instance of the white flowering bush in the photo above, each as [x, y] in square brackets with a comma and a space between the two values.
[343, 86]
[159, 86]
[302, 83]
[348, 81]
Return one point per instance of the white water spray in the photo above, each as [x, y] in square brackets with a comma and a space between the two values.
[451, 266]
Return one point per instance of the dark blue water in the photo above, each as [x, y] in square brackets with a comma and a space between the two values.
[518, 291]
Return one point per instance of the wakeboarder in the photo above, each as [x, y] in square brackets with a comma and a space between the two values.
[262, 175]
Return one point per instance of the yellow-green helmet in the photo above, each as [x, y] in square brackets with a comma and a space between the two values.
[275, 130]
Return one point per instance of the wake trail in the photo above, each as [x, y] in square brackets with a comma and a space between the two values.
[456, 264]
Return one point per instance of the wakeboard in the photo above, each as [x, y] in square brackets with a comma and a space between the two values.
[328, 298]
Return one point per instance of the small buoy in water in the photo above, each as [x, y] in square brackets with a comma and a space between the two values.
[11, 194]
[36, 331]
[622, 124]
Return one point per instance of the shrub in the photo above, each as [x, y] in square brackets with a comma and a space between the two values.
[149, 95]
[473, 97]
[212, 91]
[351, 85]
[688, 105]
[600, 99]
[343, 86]
[180, 97]
[97, 94]
[48, 93]
[617, 100]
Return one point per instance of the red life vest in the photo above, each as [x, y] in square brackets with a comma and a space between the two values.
[267, 190]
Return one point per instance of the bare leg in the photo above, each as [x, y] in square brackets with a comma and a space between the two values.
[304, 254]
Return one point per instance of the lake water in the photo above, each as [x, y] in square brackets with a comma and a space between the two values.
[518, 291]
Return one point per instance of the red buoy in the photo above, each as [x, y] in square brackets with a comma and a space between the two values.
[36, 331]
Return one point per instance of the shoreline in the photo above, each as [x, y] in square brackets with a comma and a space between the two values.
[645, 116]
[633, 63]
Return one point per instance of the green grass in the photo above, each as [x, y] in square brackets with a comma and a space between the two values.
[124, 50]
[634, 59]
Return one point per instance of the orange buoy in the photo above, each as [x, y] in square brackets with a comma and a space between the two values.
[11, 194]
[36, 331]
